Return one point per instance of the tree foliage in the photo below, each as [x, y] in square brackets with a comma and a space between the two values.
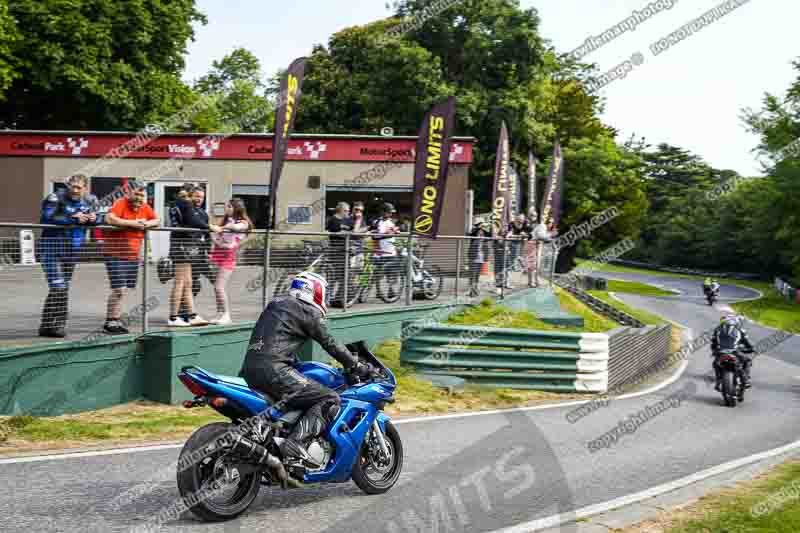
[93, 64]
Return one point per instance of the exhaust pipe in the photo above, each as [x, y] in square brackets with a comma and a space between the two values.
[258, 454]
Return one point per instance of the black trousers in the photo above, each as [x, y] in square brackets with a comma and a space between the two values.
[321, 404]
[500, 260]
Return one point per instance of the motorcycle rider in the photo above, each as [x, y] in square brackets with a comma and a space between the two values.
[60, 248]
[283, 327]
[730, 336]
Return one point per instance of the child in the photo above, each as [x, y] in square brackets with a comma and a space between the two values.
[236, 224]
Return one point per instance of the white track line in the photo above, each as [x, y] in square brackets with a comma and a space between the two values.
[585, 512]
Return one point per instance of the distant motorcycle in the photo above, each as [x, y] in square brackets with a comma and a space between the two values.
[732, 382]
[712, 295]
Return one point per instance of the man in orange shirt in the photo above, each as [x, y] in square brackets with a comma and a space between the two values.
[121, 248]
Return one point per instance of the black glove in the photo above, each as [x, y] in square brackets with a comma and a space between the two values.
[358, 372]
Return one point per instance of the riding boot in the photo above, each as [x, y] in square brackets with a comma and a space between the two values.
[746, 374]
[54, 313]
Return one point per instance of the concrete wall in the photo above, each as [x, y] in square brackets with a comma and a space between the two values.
[69, 377]
[23, 188]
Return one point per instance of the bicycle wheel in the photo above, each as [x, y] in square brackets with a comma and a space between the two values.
[390, 282]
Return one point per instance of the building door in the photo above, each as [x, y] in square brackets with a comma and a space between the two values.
[164, 194]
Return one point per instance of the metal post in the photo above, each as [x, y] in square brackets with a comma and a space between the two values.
[459, 253]
[504, 269]
[145, 272]
[346, 271]
[266, 268]
[409, 271]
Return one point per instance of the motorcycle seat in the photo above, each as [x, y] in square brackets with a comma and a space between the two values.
[291, 417]
[240, 382]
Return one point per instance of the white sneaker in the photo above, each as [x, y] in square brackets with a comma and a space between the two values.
[223, 320]
[198, 321]
[499, 291]
[178, 323]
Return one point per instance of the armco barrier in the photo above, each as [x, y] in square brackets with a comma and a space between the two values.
[688, 271]
[600, 306]
[511, 358]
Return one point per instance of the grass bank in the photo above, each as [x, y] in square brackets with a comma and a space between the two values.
[770, 503]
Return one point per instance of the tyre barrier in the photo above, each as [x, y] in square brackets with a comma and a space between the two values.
[510, 358]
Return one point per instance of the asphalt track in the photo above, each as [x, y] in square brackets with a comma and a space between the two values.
[467, 473]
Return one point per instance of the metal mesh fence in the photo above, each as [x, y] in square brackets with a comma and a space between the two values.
[84, 283]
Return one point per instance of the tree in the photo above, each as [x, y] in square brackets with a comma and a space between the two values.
[96, 64]
[600, 175]
[9, 36]
[236, 82]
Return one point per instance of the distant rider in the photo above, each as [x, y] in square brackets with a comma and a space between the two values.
[730, 336]
[282, 329]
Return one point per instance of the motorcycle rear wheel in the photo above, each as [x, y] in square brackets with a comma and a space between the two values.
[729, 388]
[196, 476]
[389, 473]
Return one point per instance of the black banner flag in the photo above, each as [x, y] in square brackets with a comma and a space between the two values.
[430, 170]
[285, 113]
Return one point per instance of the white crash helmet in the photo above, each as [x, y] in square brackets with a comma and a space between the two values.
[732, 318]
[312, 289]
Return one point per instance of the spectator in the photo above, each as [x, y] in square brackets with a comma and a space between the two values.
[500, 249]
[121, 250]
[188, 248]
[235, 224]
[478, 253]
[519, 230]
[387, 252]
[60, 248]
[175, 221]
[339, 222]
[357, 243]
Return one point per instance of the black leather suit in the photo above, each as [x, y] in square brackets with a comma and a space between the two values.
[728, 337]
[283, 327]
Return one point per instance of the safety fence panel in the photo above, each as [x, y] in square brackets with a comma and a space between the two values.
[511, 358]
[68, 281]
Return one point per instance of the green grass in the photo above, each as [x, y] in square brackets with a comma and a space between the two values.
[487, 313]
[648, 318]
[633, 287]
[730, 510]
[606, 267]
[143, 420]
[772, 310]
[592, 321]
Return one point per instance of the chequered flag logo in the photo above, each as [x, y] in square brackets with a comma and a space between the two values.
[208, 146]
[456, 151]
[315, 148]
[77, 145]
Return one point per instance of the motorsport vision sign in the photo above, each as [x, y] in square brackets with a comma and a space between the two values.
[430, 170]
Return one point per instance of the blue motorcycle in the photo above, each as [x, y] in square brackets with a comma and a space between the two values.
[222, 466]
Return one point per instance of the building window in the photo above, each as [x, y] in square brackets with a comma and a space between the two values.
[299, 214]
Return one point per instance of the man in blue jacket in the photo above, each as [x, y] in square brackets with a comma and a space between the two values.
[60, 248]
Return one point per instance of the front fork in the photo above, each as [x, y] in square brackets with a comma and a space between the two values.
[376, 429]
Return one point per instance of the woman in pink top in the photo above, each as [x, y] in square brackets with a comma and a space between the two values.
[235, 225]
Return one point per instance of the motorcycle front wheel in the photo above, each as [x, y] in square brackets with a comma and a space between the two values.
[212, 484]
[433, 283]
[374, 474]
